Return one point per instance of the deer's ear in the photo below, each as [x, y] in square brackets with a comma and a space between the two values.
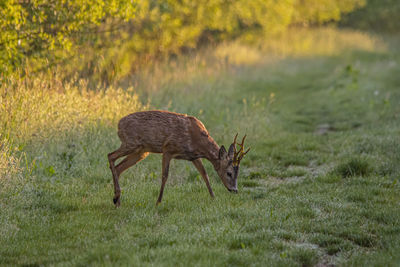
[231, 151]
[222, 152]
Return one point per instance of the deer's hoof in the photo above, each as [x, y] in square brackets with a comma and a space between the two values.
[116, 201]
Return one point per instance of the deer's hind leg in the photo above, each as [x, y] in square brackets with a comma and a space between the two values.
[129, 161]
[112, 157]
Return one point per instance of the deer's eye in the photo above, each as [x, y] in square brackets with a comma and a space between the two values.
[229, 174]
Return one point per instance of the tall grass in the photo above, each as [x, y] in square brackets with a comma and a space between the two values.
[38, 109]
[299, 42]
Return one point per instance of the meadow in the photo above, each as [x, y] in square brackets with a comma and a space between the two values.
[320, 185]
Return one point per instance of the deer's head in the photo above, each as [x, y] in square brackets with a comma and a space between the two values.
[229, 162]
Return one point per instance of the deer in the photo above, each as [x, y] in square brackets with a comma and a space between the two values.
[175, 136]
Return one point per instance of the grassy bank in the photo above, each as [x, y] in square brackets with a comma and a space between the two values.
[320, 185]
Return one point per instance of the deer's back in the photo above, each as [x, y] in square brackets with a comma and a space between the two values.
[158, 131]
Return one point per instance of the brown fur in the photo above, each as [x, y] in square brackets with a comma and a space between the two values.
[175, 136]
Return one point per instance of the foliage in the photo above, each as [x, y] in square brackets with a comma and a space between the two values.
[318, 12]
[37, 29]
[376, 15]
[44, 31]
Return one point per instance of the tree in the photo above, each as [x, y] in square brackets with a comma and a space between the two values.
[37, 29]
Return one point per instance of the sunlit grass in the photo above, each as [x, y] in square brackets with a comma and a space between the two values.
[323, 42]
[37, 107]
[299, 43]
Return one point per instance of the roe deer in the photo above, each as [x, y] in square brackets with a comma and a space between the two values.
[175, 136]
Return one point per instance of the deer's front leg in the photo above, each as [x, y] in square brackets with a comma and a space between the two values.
[165, 168]
[199, 166]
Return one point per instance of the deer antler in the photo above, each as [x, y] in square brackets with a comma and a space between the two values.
[238, 155]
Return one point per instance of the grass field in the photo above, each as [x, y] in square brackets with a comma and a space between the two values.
[319, 187]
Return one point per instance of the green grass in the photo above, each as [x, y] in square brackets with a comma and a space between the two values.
[320, 185]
